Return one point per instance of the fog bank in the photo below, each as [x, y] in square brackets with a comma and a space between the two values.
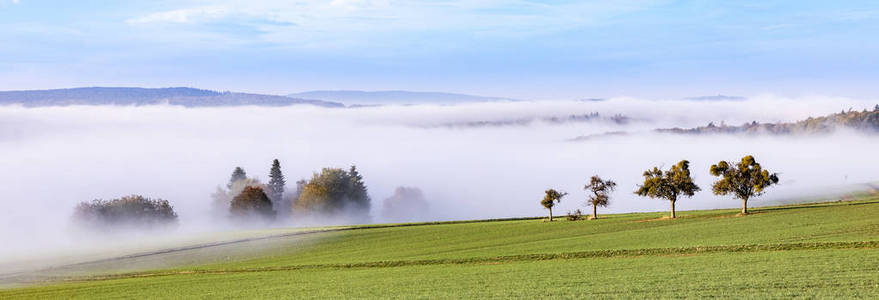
[55, 157]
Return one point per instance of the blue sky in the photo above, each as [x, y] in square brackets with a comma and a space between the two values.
[525, 49]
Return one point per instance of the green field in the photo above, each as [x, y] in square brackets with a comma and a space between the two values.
[826, 250]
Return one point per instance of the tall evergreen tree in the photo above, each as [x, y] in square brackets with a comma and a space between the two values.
[276, 183]
[237, 174]
[358, 192]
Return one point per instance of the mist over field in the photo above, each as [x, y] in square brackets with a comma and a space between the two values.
[55, 157]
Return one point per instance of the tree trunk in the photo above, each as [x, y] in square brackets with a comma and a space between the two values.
[744, 206]
[550, 214]
[672, 209]
[594, 212]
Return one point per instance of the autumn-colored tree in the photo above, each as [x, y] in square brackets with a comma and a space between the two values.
[744, 181]
[550, 199]
[669, 185]
[600, 190]
[334, 191]
[252, 202]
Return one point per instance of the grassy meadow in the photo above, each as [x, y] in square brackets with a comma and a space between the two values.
[824, 250]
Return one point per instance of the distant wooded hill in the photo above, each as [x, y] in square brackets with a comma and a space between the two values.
[183, 96]
[393, 97]
[865, 121]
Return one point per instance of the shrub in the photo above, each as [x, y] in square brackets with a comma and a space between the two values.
[575, 216]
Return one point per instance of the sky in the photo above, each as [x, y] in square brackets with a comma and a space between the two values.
[517, 49]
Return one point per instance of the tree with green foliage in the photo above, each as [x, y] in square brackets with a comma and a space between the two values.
[130, 211]
[334, 191]
[669, 185]
[252, 201]
[744, 181]
[600, 190]
[237, 174]
[276, 182]
[550, 199]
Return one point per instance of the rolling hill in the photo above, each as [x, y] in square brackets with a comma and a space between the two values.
[183, 96]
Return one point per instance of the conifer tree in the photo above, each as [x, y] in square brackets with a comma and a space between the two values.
[276, 182]
[237, 174]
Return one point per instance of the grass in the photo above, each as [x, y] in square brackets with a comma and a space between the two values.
[808, 250]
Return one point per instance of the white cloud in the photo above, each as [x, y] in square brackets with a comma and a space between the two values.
[322, 24]
[16, 1]
[186, 15]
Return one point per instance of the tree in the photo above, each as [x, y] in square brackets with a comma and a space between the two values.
[669, 185]
[550, 199]
[601, 190]
[276, 183]
[129, 211]
[222, 198]
[334, 191]
[407, 204]
[744, 181]
[252, 201]
[237, 174]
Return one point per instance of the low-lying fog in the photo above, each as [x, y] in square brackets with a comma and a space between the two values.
[55, 157]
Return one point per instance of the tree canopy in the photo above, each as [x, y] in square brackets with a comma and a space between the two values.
[129, 211]
[745, 180]
[334, 191]
[252, 202]
[669, 185]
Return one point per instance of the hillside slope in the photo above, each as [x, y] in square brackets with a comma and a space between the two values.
[807, 250]
[863, 121]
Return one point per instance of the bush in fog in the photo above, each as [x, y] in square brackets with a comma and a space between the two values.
[130, 211]
[407, 204]
[334, 192]
[252, 202]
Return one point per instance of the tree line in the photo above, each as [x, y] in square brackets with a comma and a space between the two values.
[331, 192]
[744, 180]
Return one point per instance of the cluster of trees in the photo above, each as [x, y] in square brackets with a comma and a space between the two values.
[744, 180]
[865, 121]
[129, 211]
[331, 192]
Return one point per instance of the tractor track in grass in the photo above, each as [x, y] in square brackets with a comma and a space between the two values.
[682, 251]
